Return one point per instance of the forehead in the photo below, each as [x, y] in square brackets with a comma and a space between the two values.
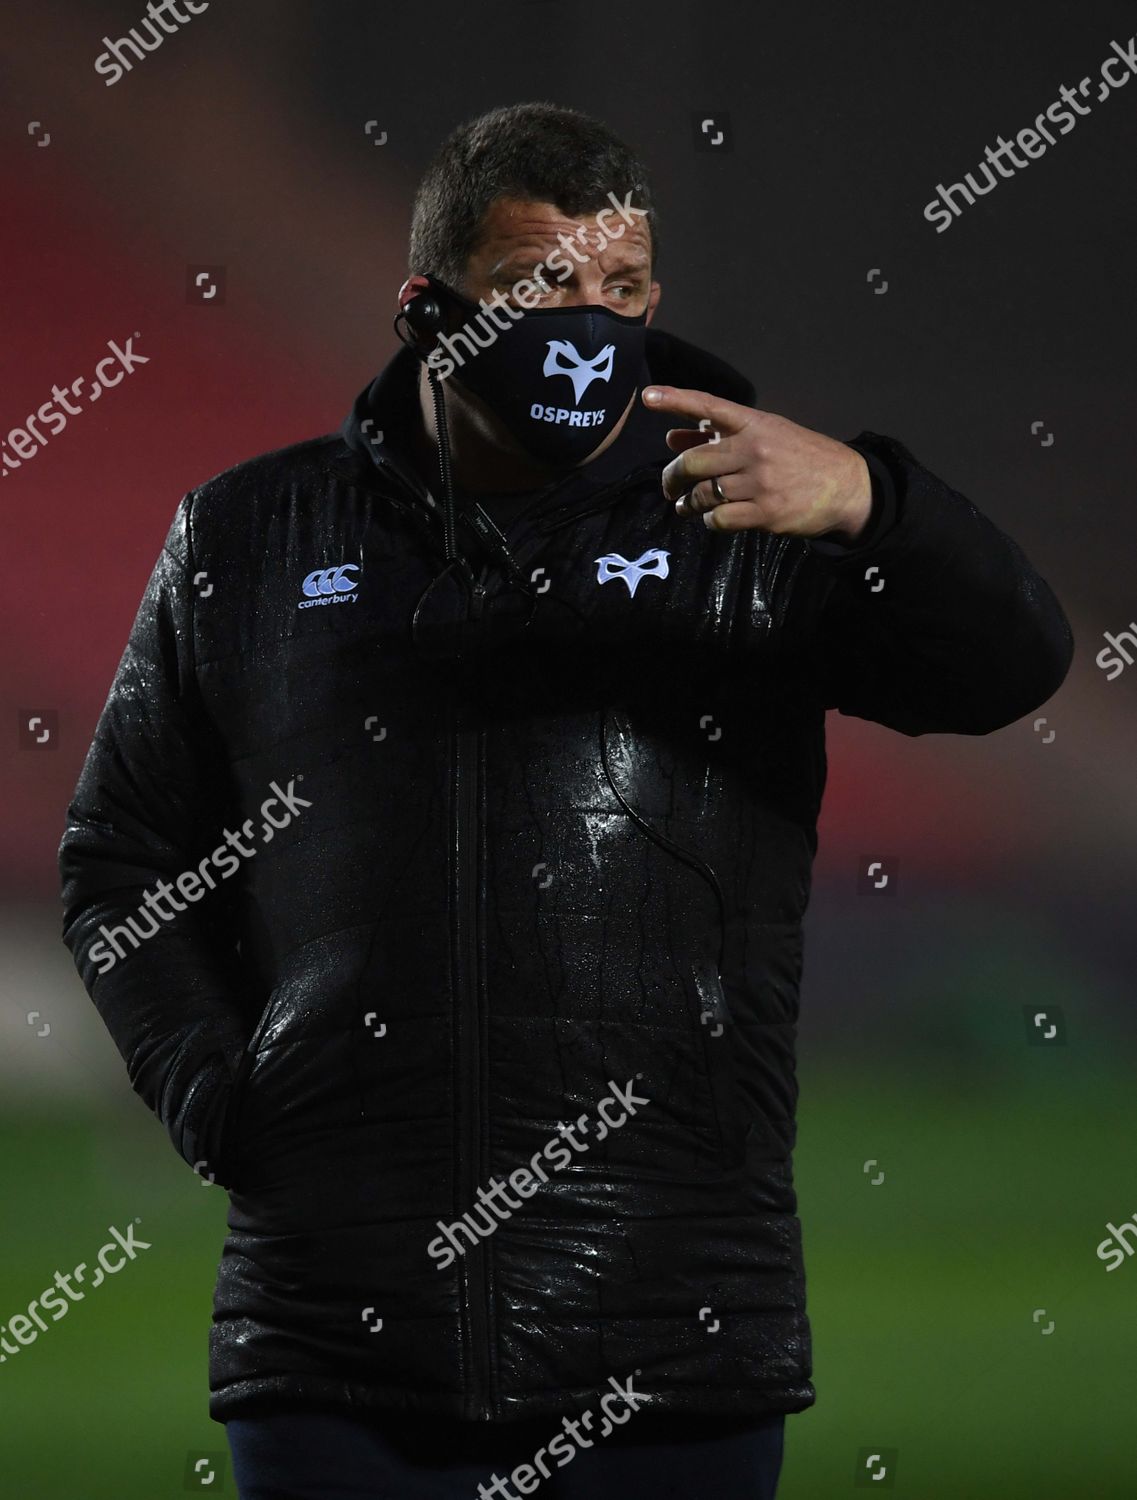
[516, 226]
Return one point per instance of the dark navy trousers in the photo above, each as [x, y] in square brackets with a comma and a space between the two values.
[313, 1455]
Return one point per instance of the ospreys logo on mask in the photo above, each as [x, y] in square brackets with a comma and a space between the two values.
[558, 378]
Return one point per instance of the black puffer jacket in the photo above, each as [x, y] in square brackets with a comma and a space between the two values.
[567, 865]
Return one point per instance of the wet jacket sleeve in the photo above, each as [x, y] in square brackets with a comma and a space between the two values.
[933, 620]
[149, 807]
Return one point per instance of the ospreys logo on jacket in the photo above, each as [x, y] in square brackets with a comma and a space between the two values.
[570, 854]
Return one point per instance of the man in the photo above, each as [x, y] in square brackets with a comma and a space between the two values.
[488, 1025]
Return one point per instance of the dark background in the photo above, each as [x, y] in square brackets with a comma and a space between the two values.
[241, 143]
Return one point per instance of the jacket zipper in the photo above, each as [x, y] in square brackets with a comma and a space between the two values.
[469, 1051]
[468, 1042]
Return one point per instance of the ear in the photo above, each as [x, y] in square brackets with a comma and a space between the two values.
[653, 300]
[412, 288]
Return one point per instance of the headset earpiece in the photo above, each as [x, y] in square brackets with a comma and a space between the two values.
[421, 311]
[424, 315]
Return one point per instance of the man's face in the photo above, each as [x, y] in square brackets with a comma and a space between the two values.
[518, 240]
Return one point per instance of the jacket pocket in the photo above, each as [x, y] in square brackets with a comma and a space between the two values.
[230, 1135]
[716, 1031]
[196, 1126]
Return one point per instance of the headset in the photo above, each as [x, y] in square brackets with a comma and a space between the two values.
[418, 323]
[420, 309]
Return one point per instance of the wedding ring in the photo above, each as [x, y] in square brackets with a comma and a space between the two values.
[716, 489]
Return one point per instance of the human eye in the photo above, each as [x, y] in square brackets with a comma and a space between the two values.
[539, 291]
[625, 291]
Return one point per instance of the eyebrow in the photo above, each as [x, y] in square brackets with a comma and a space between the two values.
[521, 264]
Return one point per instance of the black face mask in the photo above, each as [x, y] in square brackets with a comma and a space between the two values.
[558, 378]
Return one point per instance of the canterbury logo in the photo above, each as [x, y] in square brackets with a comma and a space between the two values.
[581, 372]
[330, 586]
[650, 564]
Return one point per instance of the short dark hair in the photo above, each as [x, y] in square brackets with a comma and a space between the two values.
[539, 152]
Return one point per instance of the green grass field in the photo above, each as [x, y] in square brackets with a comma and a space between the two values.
[922, 1291]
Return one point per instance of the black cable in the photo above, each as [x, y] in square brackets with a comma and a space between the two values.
[692, 860]
[449, 542]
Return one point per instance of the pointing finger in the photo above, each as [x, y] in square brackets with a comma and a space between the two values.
[725, 416]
